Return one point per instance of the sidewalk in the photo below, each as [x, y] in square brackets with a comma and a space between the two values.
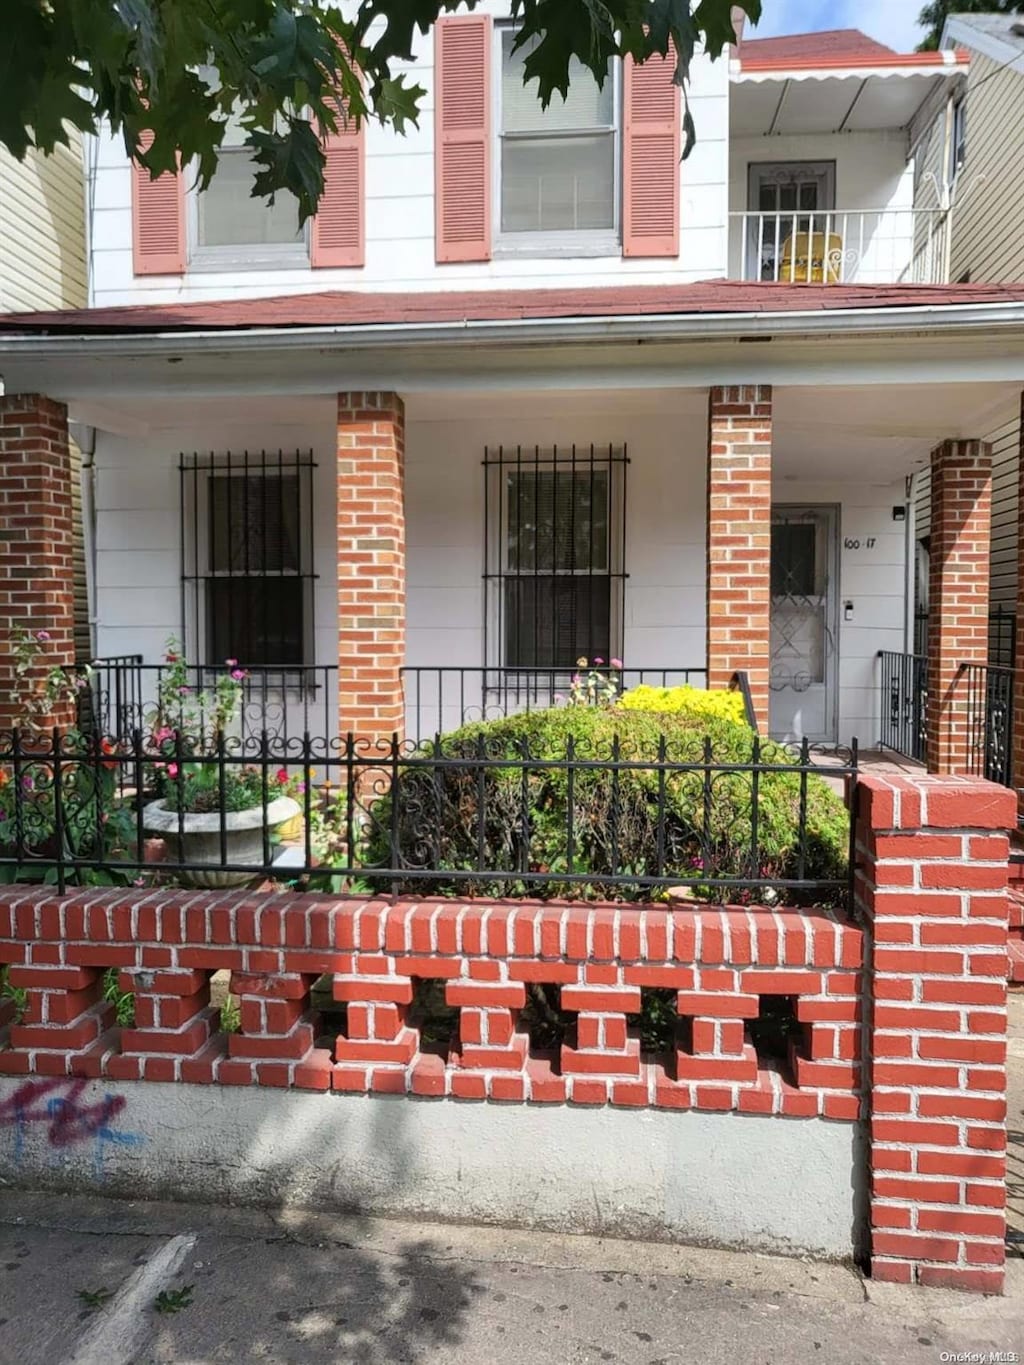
[292, 1288]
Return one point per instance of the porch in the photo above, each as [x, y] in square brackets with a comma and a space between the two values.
[536, 527]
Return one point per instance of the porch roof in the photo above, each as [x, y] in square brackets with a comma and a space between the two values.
[355, 309]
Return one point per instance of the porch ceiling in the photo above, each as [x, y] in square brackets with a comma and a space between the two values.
[877, 435]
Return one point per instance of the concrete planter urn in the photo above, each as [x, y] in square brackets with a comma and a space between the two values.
[197, 839]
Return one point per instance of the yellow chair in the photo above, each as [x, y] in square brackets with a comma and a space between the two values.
[806, 260]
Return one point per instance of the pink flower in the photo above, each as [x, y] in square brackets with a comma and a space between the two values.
[43, 635]
[237, 674]
[282, 775]
[172, 770]
[231, 663]
[598, 661]
[183, 691]
[616, 663]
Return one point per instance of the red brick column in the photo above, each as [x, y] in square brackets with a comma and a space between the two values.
[371, 564]
[957, 594]
[739, 509]
[36, 572]
[931, 885]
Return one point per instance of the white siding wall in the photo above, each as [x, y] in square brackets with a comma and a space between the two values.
[665, 551]
[138, 529]
[872, 174]
[873, 580]
[138, 536]
[400, 217]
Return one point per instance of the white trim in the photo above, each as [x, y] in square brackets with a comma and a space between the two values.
[960, 32]
[949, 66]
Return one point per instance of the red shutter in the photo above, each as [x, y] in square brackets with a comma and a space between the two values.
[462, 138]
[652, 146]
[158, 221]
[338, 235]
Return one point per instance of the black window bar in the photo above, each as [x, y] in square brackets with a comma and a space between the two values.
[247, 558]
[555, 565]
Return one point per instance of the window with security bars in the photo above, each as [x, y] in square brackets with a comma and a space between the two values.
[558, 166]
[247, 573]
[556, 556]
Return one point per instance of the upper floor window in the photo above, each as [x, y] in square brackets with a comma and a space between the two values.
[958, 141]
[557, 168]
[231, 228]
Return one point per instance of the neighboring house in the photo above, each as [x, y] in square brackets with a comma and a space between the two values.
[969, 157]
[43, 264]
[537, 306]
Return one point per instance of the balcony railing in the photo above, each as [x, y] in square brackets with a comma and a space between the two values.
[841, 246]
[904, 703]
[288, 704]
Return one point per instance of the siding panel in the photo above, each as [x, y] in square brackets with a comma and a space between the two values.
[988, 239]
[42, 230]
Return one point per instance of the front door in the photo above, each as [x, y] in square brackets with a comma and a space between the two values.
[804, 623]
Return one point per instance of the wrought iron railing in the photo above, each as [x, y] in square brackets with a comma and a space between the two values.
[989, 699]
[904, 704]
[751, 823]
[1002, 636]
[841, 246]
[289, 703]
[441, 699]
[286, 703]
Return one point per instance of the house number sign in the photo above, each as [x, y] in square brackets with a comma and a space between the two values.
[849, 543]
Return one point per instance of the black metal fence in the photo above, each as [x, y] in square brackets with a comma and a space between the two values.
[602, 820]
[1002, 636]
[289, 703]
[441, 699]
[989, 697]
[904, 703]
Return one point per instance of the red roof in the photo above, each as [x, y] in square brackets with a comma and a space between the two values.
[334, 308]
[848, 43]
[838, 47]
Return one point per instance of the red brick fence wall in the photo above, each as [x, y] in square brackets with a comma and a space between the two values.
[915, 984]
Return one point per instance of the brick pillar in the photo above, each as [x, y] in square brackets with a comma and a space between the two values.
[371, 564]
[36, 571]
[931, 885]
[957, 593]
[739, 508]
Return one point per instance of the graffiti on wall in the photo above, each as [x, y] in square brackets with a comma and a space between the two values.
[61, 1104]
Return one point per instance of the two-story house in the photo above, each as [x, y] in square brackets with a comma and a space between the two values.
[530, 388]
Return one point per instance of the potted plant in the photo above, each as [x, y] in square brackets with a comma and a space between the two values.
[214, 812]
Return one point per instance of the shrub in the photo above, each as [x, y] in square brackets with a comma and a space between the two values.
[685, 701]
[515, 819]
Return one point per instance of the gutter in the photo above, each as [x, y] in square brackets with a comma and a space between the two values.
[880, 322]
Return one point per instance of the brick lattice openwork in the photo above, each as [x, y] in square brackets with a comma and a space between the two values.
[961, 520]
[36, 568]
[739, 497]
[716, 965]
[371, 563]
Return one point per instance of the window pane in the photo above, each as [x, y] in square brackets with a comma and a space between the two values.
[255, 620]
[795, 569]
[550, 622]
[558, 521]
[558, 184]
[229, 216]
[587, 104]
[254, 524]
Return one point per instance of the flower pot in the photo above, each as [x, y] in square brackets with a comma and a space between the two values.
[196, 839]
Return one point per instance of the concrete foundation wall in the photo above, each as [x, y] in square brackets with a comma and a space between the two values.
[728, 1179]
